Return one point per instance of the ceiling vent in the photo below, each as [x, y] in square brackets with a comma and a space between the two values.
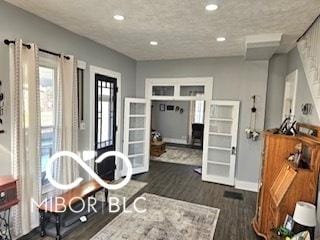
[262, 46]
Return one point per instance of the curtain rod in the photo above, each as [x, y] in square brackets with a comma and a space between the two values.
[8, 42]
[305, 32]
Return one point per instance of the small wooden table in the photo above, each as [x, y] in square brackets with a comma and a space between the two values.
[55, 206]
[157, 148]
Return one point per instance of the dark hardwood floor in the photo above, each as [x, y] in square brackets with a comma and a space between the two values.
[180, 182]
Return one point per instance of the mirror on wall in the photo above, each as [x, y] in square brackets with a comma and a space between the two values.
[290, 93]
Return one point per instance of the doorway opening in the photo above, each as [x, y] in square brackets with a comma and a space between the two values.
[220, 127]
[177, 129]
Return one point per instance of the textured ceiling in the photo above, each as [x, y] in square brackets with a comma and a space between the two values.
[183, 28]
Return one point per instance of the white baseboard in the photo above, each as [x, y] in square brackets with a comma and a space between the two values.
[248, 186]
[175, 140]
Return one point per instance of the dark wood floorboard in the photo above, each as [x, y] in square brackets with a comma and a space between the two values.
[180, 182]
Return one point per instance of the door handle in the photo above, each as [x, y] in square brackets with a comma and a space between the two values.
[233, 150]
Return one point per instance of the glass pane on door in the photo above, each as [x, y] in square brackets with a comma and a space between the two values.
[222, 127]
[137, 122]
[105, 113]
[136, 149]
[191, 90]
[163, 91]
[218, 156]
[136, 135]
[218, 170]
[137, 161]
[221, 112]
[137, 109]
[220, 141]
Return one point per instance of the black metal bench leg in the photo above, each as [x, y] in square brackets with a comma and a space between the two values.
[106, 196]
[42, 223]
[58, 236]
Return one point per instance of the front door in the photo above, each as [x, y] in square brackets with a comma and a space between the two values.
[105, 123]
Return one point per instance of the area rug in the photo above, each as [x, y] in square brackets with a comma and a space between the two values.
[165, 219]
[181, 155]
[127, 192]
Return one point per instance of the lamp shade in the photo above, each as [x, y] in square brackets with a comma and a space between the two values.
[305, 214]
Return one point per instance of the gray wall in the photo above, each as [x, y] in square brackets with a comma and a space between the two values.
[275, 91]
[280, 66]
[16, 23]
[303, 93]
[234, 79]
[171, 124]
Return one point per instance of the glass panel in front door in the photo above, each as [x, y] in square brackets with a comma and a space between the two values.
[105, 123]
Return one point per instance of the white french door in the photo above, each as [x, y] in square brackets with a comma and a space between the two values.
[136, 139]
[220, 141]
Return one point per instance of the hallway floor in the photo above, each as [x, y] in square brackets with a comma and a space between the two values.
[180, 155]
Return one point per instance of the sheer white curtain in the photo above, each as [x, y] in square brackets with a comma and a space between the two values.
[25, 129]
[309, 50]
[66, 170]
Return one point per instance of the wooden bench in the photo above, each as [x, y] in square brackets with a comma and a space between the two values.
[56, 206]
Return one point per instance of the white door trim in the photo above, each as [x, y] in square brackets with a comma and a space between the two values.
[106, 72]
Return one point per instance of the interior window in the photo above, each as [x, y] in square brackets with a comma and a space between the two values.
[199, 112]
[47, 77]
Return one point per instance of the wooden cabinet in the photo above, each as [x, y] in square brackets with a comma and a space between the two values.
[282, 183]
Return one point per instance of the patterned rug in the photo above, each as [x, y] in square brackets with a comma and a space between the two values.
[180, 155]
[165, 219]
[128, 191]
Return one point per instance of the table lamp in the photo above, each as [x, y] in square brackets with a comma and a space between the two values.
[305, 217]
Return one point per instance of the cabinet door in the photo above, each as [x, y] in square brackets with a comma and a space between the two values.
[220, 141]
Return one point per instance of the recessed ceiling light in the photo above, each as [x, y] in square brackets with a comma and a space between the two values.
[211, 7]
[153, 43]
[221, 39]
[118, 17]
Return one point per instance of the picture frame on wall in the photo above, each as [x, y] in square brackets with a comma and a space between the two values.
[288, 223]
[162, 107]
[170, 107]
